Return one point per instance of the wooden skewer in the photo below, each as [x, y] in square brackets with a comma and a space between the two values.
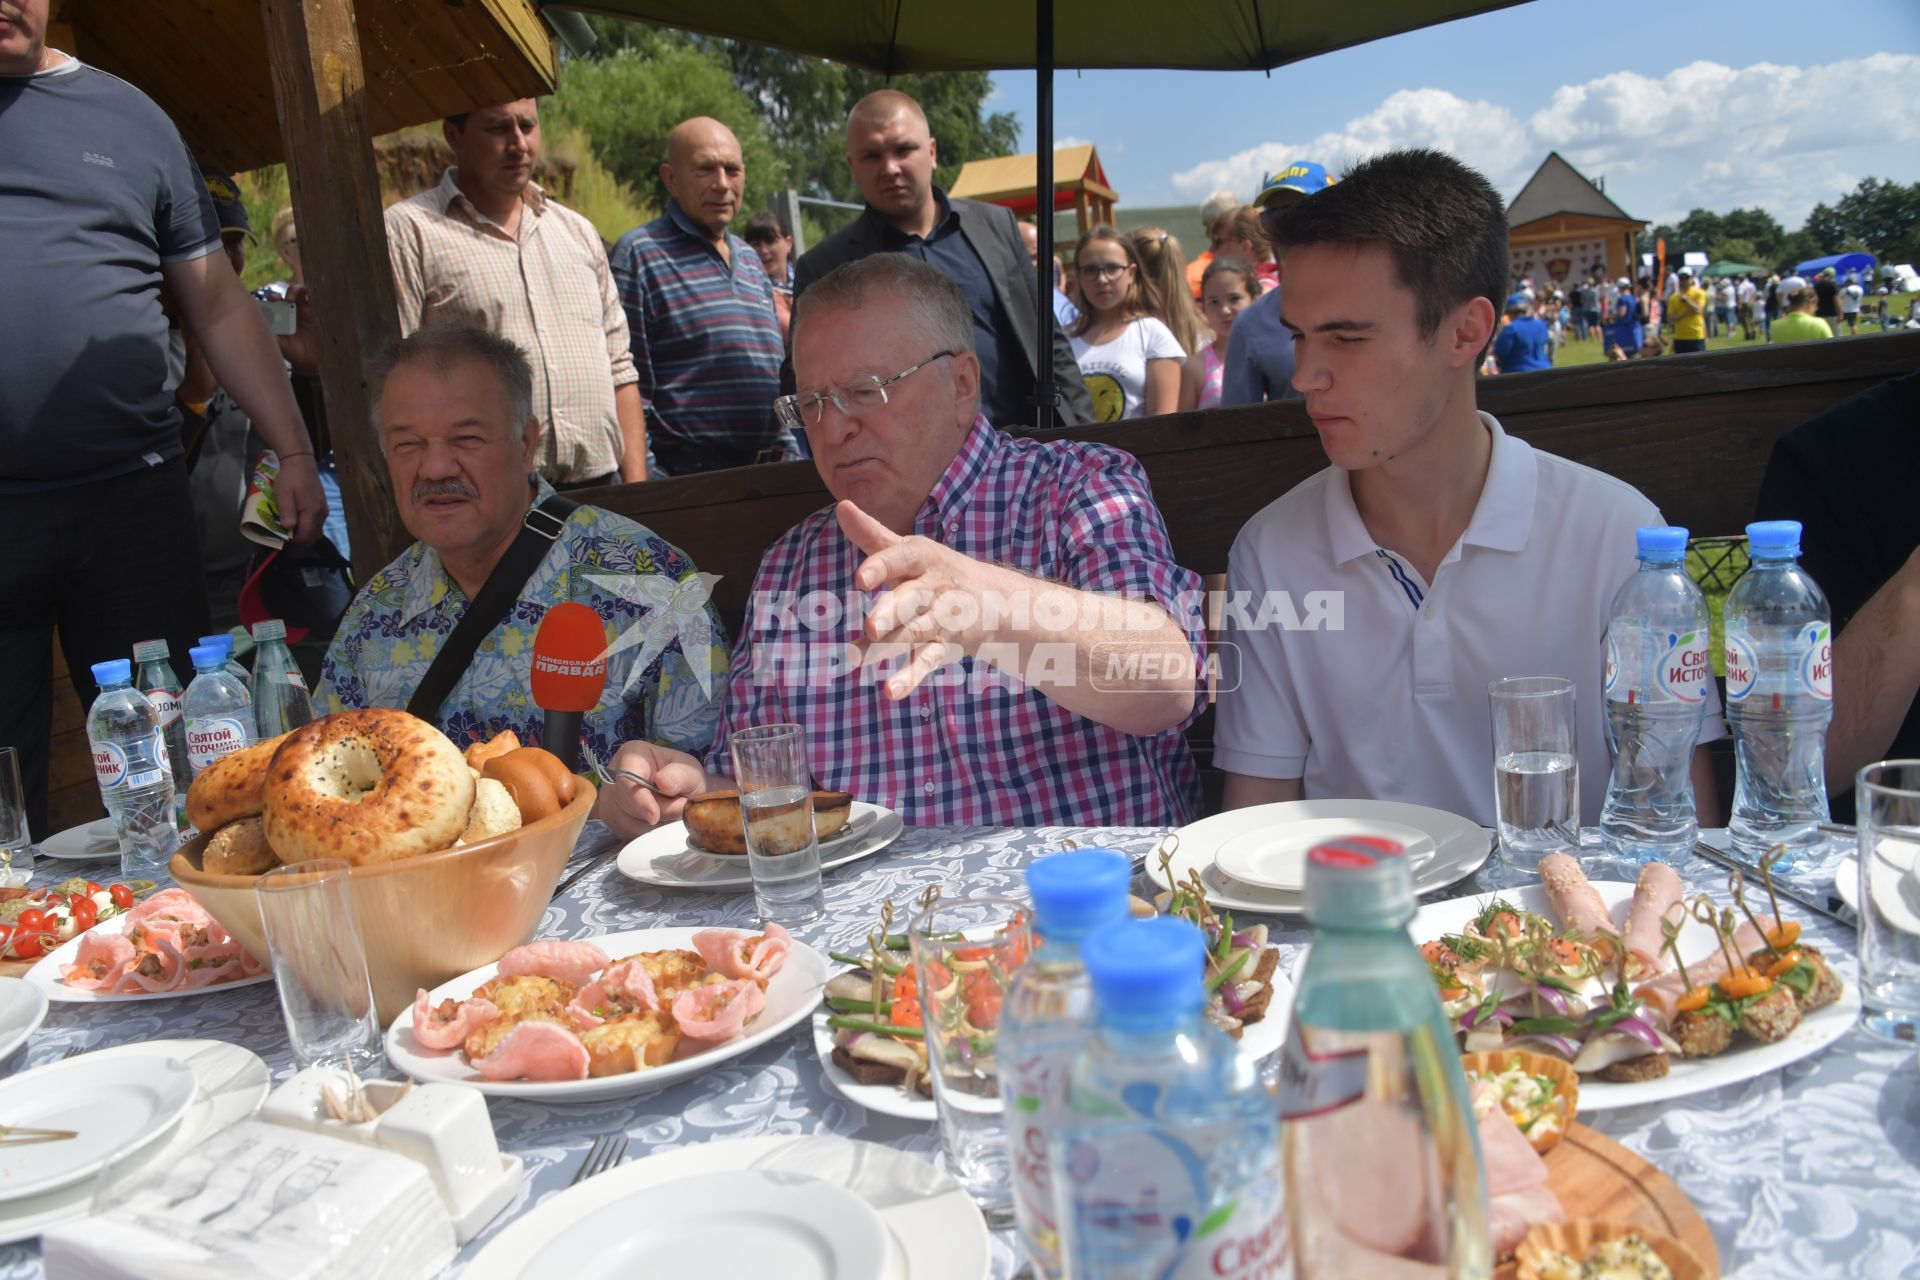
[22, 1135]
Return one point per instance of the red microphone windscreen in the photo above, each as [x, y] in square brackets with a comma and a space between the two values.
[569, 659]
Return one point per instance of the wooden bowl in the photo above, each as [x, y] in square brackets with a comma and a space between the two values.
[1577, 1238]
[427, 919]
[1566, 1094]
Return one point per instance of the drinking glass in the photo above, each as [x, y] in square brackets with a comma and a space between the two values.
[1887, 804]
[776, 800]
[320, 966]
[16, 861]
[1536, 769]
[965, 953]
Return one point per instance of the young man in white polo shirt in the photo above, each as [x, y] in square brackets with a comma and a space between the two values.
[1459, 553]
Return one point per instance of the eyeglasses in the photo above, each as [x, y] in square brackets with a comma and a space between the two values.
[1104, 270]
[853, 398]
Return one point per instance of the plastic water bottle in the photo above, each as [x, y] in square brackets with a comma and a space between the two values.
[219, 712]
[1779, 697]
[1656, 683]
[1046, 1022]
[1382, 1151]
[1166, 1154]
[130, 763]
[163, 688]
[279, 689]
[224, 643]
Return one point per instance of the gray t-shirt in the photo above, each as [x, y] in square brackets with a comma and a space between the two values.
[96, 192]
[1259, 363]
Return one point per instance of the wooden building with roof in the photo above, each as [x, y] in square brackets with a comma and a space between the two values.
[1079, 184]
[1562, 226]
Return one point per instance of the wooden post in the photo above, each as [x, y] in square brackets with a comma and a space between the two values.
[319, 87]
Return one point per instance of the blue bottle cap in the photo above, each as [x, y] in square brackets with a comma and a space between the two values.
[1146, 973]
[1661, 542]
[112, 671]
[1078, 892]
[206, 656]
[223, 642]
[1773, 539]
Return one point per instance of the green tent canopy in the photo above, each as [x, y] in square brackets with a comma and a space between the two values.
[1734, 269]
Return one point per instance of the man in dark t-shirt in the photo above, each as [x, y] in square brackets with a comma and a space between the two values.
[100, 204]
[1848, 476]
[1826, 297]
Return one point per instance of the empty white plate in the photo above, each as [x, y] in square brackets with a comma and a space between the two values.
[1276, 857]
[115, 1106]
[745, 1222]
[87, 842]
[23, 1007]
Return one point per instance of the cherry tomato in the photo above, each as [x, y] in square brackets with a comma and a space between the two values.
[92, 887]
[33, 920]
[86, 913]
[983, 1000]
[122, 896]
[31, 944]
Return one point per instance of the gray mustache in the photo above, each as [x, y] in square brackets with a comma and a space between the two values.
[443, 489]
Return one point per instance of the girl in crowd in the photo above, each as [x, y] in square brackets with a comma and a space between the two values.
[1128, 357]
[1225, 290]
[1163, 276]
[1237, 234]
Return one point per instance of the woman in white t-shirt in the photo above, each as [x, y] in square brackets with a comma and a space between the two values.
[1129, 360]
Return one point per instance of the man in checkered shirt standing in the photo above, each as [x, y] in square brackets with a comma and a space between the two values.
[982, 629]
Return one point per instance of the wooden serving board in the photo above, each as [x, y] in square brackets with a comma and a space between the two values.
[1596, 1177]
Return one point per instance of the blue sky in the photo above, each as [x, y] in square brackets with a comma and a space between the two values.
[1739, 103]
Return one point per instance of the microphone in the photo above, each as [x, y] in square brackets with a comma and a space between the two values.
[569, 675]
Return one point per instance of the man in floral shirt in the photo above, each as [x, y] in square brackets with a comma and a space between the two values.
[982, 629]
[461, 445]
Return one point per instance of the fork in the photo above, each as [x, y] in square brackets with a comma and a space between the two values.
[606, 775]
[607, 1152]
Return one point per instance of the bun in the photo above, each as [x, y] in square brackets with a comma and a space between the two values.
[367, 786]
[239, 849]
[540, 783]
[232, 787]
[498, 745]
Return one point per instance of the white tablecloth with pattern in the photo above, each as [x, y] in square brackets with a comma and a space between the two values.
[1809, 1171]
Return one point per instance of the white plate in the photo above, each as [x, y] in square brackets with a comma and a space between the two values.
[46, 975]
[23, 1007]
[232, 1085]
[1746, 1060]
[738, 1222]
[936, 1231]
[663, 856]
[790, 997]
[88, 842]
[1275, 857]
[115, 1106]
[1257, 1041]
[1458, 850]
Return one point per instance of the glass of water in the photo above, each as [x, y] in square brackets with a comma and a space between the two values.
[965, 953]
[16, 861]
[776, 800]
[320, 966]
[1536, 769]
[1887, 801]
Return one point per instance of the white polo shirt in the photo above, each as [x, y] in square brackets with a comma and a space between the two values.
[1380, 691]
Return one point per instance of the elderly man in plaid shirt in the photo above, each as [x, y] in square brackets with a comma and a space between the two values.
[981, 629]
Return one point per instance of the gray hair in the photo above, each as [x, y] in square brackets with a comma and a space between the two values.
[1216, 204]
[444, 348]
[935, 308]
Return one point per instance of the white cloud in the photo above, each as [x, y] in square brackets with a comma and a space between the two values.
[1061, 144]
[1703, 135]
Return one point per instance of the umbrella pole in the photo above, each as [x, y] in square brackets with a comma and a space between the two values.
[1046, 390]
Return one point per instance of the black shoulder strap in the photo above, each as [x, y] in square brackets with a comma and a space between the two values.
[542, 526]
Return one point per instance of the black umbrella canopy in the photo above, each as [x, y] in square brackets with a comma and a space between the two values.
[898, 36]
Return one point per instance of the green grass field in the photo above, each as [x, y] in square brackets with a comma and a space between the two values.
[1590, 351]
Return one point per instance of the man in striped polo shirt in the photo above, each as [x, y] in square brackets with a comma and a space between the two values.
[706, 338]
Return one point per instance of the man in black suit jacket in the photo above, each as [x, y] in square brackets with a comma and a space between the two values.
[892, 153]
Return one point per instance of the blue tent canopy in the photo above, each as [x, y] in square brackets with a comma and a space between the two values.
[1840, 262]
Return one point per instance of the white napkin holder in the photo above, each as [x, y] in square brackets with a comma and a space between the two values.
[442, 1126]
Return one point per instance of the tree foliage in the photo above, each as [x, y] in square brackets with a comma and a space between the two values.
[1877, 217]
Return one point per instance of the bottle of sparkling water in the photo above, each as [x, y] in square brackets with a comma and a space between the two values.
[1165, 1156]
[1656, 683]
[163, 689]
[278, 689]
[219, 712]
[1779, 698]
[224, 643]
[130, 763]
[1046, 1022]
[1382, 1151]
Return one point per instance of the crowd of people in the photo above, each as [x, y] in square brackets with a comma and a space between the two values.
[938, 627]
